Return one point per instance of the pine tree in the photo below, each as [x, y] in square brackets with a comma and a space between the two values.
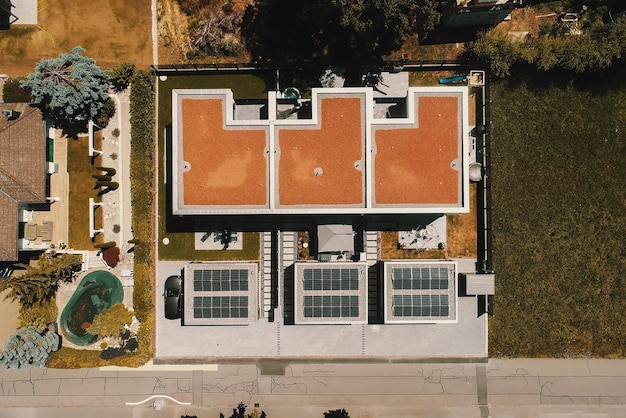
[70, 89]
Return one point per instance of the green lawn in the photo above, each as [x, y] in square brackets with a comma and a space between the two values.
[559, 217]
[181, 244]
[81, 185]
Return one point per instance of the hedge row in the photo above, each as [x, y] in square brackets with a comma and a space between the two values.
[141, 176]
[142, 180]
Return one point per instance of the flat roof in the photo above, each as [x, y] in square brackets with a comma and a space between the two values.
[341, 159]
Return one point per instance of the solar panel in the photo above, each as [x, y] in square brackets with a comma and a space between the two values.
[330, 279]
[221, 280]
[421, 305]
[331, 306]
[426, 278]
[220, 307]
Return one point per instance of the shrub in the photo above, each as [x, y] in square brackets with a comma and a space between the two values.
[111, 256]
[43, 313]
[106, 113]
[110, 171]
[29, 347]
[121, 76]
[142, 120]
[105, 245]
[111, 322]
[13, 92]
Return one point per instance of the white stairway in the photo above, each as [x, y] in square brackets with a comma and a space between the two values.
[266, 272]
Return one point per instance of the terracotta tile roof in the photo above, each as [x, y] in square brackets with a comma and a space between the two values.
[22, 170]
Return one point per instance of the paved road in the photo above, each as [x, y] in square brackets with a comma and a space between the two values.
[499, 388]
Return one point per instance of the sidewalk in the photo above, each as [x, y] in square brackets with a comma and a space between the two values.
[116, 204]
[500, 388]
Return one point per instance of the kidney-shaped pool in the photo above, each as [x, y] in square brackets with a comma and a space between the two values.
[96, 292]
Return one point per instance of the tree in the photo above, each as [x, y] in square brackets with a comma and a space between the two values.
[30, 346]
[428, 16]
[326, 31]
[70, 89]
[111, 322]
[40, 283]
[120, 76]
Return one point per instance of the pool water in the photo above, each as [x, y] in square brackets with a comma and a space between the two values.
[96, 292]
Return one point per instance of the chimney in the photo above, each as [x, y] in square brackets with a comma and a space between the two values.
[11, 114]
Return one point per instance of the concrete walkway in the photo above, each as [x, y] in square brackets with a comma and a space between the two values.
[499, 388]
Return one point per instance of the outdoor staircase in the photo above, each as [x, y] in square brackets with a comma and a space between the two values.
[288, 256]
[94, 261]
[266, 273]
[289, 248]
[372, 256]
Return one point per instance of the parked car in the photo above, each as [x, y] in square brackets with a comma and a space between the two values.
[173, 297]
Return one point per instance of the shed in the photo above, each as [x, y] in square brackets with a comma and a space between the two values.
[335, 239]
[479, 284]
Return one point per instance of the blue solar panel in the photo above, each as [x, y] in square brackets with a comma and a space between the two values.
[207, 280]
[421, 305]
[331, 306]
[330, 278]
[220, 307]
[426, 278]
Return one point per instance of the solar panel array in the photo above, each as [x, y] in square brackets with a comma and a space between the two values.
[333, 292]
[420, 291]
[331, 306]
[220, 293]
[427, 278]
[331, 279]
[220, 306]
[432, 305]
[220, 280]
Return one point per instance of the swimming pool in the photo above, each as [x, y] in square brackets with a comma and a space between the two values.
[96, 292]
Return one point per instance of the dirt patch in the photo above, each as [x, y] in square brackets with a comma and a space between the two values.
[527, 20]
[111, 32]
[227, 167]
[173, 31]
[413, 165]
[324, 166]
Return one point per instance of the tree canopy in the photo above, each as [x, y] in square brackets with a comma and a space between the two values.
[40, 283]
[597, 46]
[111, 321]
[70, 89]
[326, 31]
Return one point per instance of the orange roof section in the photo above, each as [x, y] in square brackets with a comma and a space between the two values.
[340, 160]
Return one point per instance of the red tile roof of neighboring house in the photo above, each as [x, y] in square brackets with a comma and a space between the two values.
[22, 170]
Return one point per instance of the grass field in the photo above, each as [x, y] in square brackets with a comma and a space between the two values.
[111, 32]
[559, 217]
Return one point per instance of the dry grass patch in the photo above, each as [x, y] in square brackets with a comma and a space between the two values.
[111, 32]
[461, 238]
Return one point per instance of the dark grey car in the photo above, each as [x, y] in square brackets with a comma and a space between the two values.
[173, 297]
